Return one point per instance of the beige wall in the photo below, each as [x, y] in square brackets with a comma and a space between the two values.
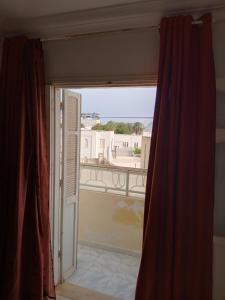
[110, 220]
[116, 54]
[109, 56]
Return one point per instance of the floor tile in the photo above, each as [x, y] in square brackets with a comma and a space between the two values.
[107, 272]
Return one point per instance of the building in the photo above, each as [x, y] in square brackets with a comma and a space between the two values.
[127, 141]
[100, 145]
[124, 144]
[145, 149]
[88, 120]
[96, 145]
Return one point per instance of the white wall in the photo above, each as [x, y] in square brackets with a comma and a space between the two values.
[145, 150]
[107, 138]
[131, 139]
[115, 54]
[109, 56]
[90, 144]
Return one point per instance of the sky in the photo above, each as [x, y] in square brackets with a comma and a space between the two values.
[122, 103]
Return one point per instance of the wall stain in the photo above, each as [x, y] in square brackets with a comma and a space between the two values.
[129, 212]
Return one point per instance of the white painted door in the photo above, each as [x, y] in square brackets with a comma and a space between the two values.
[70, 162]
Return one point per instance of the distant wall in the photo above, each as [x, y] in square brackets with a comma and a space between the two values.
[130, 139]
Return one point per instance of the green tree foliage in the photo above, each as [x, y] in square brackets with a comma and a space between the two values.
[137, 151]
[98, 127]
[110, 126]
[120, 127]
[123, 128]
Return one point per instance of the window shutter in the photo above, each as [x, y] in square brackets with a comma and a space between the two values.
[71, 103]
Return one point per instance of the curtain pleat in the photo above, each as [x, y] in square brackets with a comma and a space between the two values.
[25, 251]
[176, 261]
[1, 50]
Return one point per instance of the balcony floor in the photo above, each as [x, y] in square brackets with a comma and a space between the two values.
[106, 272]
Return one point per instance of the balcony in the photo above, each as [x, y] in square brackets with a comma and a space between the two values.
[111, 212]
[125, 181]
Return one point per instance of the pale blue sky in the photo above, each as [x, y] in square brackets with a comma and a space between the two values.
[119, 102]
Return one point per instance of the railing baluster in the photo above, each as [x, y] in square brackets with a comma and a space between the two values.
[127, 183]
[96, 178]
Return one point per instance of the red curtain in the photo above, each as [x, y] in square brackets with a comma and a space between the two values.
[178, 222]
[25, 255]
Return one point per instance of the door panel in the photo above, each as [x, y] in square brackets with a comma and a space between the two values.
[71, 103]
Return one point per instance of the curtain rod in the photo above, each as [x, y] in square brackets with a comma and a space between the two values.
[77, 36]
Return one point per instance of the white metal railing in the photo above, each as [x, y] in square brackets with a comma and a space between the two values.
[113, 179]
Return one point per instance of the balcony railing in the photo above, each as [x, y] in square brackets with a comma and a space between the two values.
[112, 179]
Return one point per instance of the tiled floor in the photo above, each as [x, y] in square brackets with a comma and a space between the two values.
[107, 272]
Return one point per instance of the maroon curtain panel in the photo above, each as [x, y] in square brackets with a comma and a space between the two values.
[176, 261]
[25, 252]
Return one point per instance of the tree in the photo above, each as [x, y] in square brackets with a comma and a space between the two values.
[138, 128]
[110, 126]
[122, 128]
[98, 127]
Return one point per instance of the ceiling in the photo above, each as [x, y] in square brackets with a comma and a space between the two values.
[36, 8]
[56, 18]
